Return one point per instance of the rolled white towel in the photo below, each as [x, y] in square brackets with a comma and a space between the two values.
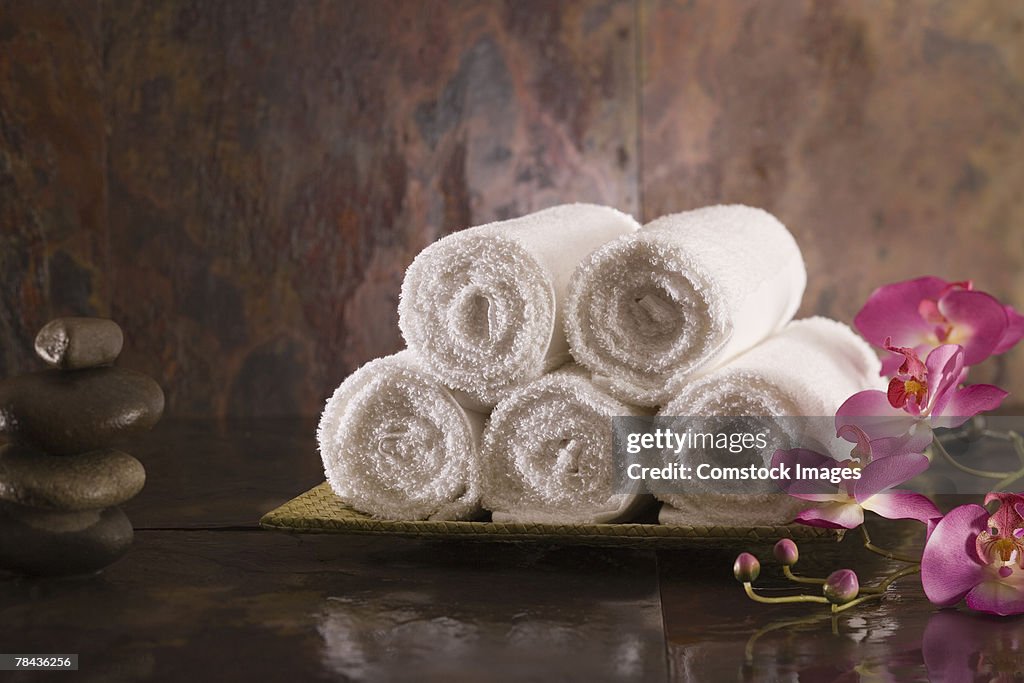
[396, 444]
[547, 454]
[805, 371]
[483, 307]
[685, 294]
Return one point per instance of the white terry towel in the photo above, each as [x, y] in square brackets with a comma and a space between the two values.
[483, 307]
[687, 293]
[396, 444]
[547, 454]
[807, 370]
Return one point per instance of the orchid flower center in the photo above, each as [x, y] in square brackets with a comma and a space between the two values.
[916, 388]
[910, 385]
[1004, 549]
[944, 330]
[860, 456]
[903, 390]
[1002, 543]
[929, 310]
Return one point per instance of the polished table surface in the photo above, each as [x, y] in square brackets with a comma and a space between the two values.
[205, 594]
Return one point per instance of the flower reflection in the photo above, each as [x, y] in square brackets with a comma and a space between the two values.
[968, 647]
[953, 646]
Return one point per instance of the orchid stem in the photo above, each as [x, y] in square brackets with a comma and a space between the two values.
[988, 474]
[880, 588]
[1005, 483]
[887, 554]
[866, 593]
[1018, 443]
[992, 434]
[782, 599]
[800, 579]
[836, 609]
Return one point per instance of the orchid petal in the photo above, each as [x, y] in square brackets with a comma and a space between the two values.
[979, 321]
[870, 411]
[808, 489]
[833, 516]
[891, 363]
[959, 405]
[856, 435]
[893, 311]
[911, 365]
[902, 505]
[948, 568]
[914, 441]
[945, 364]
[996, 596]
[884, 473]
[1014, 331]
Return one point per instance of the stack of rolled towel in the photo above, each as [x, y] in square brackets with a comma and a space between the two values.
[525, 337]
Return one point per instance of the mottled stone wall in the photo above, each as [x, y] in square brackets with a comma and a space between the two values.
[889, 136]
[241, 183]
[53, 192]
[274, 166]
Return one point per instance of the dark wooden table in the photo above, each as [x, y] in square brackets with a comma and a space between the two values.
[204, 594]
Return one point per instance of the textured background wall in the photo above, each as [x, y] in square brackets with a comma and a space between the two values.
[242, 183]
[888, 135]
[53, 190]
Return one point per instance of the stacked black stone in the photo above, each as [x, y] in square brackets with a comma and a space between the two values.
[61, 482]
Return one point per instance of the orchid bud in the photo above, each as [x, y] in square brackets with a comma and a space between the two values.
[841, 586]
[786, 552]
[746, 568]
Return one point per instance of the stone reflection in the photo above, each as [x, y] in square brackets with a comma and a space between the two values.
[408, 636]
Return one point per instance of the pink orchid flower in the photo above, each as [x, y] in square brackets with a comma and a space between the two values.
[842, 505]
[928, 312]
[921, 396]
[973, 554]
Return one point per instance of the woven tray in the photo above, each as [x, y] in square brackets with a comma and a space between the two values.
[319, 511]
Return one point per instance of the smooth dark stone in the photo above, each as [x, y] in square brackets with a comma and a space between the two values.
[77, 343]
[43, 543]
[74, 412]
[90, 481]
